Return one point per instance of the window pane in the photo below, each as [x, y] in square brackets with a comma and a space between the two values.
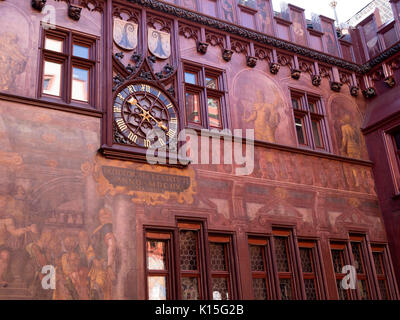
[309, 285]
[256, 258]
[218, 258]
[378, 259]
[296, 104]
[260, 289]
[193, 107]
[81, 51]
[313, 107]
[80, 84]
[52, 78]
[383, 289]
[214, 112]
[157, 288]
[343, 294]
[211, 83]
[362, 289]
[53, 45]
[300, 131]
[306, 262]
[285, 286]
[156, 255]
[188, 250]
[397, 139]
[190, 78]
[190, 288]
[317, 133]
[358, 258]
[338, 263]
[220, 289]
[281, 253]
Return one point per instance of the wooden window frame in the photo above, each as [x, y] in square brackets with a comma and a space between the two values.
[168, 237]
[68, 62]
[291, 274]
[267, 260]
[381, 250]
[204, 92]
[308, 116]
[341, 246]
[316, 267]
[229, 254]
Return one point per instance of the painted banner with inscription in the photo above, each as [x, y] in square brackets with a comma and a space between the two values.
[145, 183]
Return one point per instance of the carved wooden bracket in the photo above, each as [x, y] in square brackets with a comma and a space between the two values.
[354, 91]
[202, 47]
[274, 67]
[336, 86]
[316, 80]
[251, 61]
[227, 54]
[38, 4]
[369, 93]
[295, 74]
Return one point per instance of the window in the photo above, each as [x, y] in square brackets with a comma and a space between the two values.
[259, 268]
[191, 277]
[182, 270]
[68, 67]
[220, 261]
[378, 253]
[204, 97]
[340, 259]
[158, 265]
[310, 269]
[393, 146]
[284, 264]
[309, 121]
[360, 265]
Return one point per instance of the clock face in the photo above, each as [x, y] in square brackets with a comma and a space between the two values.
[140, 108]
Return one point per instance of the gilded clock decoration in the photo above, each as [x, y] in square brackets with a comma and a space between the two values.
[141, 108]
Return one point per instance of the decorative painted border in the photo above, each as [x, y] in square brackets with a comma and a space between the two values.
[265, 39]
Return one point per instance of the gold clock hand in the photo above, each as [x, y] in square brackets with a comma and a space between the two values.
[134, 102]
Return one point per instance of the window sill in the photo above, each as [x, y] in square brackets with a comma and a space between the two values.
[53, 104]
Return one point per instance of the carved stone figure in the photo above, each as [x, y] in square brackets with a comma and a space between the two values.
[74, 12]
[38, 4]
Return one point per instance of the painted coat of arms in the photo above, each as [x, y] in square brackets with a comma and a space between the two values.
[159, 43]
[125, 34]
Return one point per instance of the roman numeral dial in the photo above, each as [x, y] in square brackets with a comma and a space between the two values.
[144, 116]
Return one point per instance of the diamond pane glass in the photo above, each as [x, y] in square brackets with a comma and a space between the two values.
[256, 258]
[342, 292]
[309, 285]
[190, 288]
[281, 254]
[217, 255]
[260, 289]
[383, 289]
[358, 260]
[285, 286]
[363, 290]
[220, 289]
[378, 258]
[156, 255]
[337, 257]
[306, 262]
[188, 250]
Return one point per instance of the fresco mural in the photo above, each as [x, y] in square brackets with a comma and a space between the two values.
[227, 10]
[264, 17]
[260, 106]
[298, 28]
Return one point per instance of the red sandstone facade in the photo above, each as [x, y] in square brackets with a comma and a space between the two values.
[77, 194]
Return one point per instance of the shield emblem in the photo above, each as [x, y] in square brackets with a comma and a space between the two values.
[159, 43]
[125, 34]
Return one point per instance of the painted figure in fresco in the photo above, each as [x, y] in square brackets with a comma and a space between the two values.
[264, 117]
[227, 10]
[263, 13]
[7, 230]
[44, 251]
[350, 139]
[73, 283]
[101, 257]
[12, 61]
